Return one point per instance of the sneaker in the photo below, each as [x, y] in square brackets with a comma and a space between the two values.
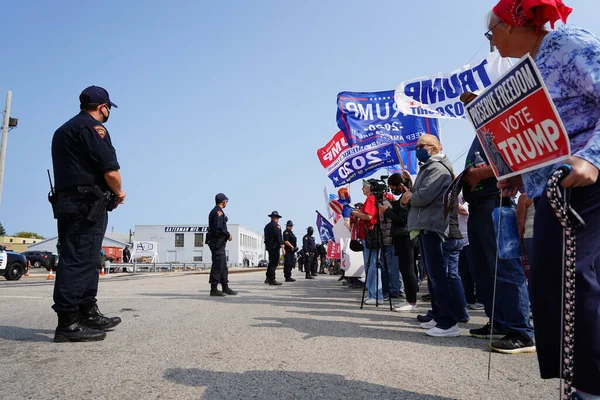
[429, 325]
[475, 306]
[484, 332]
[425, 318]
[514, 343]
[373, 301]
[450, 332]
[406, 308]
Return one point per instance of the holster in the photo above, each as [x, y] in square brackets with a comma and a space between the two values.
[100, 202]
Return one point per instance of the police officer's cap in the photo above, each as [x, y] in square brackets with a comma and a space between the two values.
[289, 223]
[274, 214]
[220, 197]
[310, 228]
[95, 95]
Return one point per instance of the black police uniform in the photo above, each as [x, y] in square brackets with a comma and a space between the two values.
[126, 255]
[82, 152]
[273, 242]
[288, 261]
[310, 260]
[217, 238]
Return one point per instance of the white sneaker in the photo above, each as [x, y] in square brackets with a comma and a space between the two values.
[450, 332]
[475, 306]
[373, 301]
[429, 325]
[406, 308]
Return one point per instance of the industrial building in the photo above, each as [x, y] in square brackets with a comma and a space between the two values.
[186, 243]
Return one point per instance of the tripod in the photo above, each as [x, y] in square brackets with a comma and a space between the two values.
[378, 265]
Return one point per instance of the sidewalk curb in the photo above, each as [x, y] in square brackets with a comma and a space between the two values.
[172, 273]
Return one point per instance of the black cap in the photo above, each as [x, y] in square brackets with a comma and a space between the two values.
[95, 95]
[310, 228]
[289, 223]
[220, 197]
[274, 214]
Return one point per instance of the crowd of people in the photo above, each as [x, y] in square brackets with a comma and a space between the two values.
[460, 252]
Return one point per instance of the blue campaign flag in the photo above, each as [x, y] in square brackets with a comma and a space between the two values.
[325, 229]
[365, 117]
[409, 159]
[362, 161]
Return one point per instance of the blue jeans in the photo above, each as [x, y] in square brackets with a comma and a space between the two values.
[458, 303]
[433, 259]
[395, 285]
[511, 313]
[374, 284]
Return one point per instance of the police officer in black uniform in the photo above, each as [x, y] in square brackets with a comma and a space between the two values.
[273, 242]
[290, 240]
[217, 238]
[86, 172]
[310, 253]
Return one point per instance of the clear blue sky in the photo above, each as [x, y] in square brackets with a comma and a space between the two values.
[218, 96]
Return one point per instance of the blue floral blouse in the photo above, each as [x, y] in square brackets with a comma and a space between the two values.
[569, 61]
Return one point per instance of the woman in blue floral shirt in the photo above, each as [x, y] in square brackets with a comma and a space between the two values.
[568, 58]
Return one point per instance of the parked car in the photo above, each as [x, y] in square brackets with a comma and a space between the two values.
[263, 263]
[12, 265]
[40, 259]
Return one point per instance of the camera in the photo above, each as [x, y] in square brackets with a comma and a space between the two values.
[379, 187]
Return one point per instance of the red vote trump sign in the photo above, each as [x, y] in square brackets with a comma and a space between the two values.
[517, 123]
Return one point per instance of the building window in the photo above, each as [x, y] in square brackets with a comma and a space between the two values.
[11, 240]
[179, 240]
[198, 240]
[198, 256]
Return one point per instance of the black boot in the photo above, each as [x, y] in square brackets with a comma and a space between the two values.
[93, 318]
[309, 276]
[229, 291]
[216, 292]
[274, 282]
[290, 279]
[69, 329]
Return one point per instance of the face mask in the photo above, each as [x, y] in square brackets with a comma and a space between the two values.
[422, 155]
[310, 232]
[397, 191]
[107, 115]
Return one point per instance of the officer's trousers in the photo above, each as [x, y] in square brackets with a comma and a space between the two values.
[288, 264]
[310, 264]
[219, 273]
[81, 241]
[273, 262]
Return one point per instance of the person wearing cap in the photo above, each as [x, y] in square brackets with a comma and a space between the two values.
[273, 243]
[85, 164]
[310, 254]
[290, 240]
[217, 239]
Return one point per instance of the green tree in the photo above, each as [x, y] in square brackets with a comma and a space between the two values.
[28, 235]
[2, 230]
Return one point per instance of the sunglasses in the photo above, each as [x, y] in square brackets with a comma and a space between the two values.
[489, 34]
[107, 105]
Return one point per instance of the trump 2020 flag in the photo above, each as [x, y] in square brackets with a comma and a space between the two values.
[325, 229]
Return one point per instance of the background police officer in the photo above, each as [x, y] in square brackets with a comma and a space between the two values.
[273, 242]
[85, 166]
[217, 238]
[290, 241]
[310, 254]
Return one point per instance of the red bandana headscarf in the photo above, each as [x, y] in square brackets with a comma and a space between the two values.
[531, 12]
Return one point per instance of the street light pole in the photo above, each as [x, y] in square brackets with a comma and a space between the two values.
[4, 139]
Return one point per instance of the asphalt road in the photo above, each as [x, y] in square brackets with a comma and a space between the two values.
[303, 340]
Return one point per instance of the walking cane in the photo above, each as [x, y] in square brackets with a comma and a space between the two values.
[571, 222]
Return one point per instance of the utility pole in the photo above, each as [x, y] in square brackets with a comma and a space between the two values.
[5, 124]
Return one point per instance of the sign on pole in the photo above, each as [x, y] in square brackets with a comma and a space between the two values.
[517, 123]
